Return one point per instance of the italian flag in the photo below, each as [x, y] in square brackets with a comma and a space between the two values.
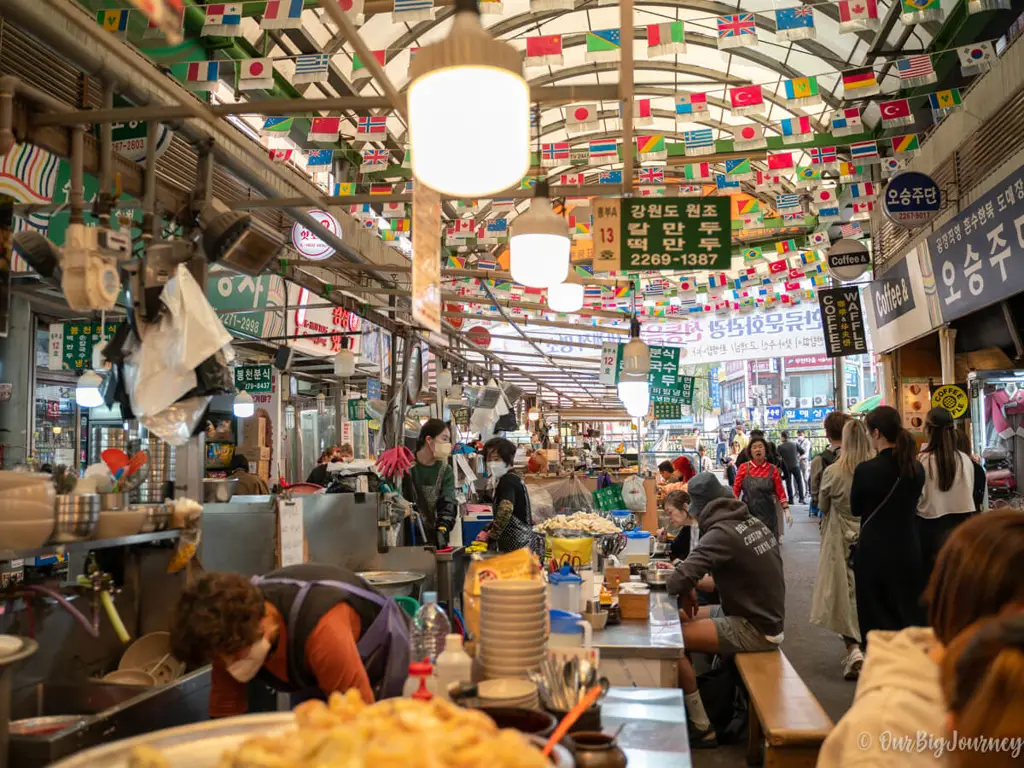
[665, 39]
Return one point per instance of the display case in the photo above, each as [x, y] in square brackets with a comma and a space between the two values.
[997, 432]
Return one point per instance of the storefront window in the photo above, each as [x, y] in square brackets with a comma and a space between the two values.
[55, 439]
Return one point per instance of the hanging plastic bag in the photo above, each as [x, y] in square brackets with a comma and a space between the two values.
[178, 422]
[570, 496]
[633, 494]
[608, 498]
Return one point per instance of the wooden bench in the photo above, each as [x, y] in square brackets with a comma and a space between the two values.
[787, 724]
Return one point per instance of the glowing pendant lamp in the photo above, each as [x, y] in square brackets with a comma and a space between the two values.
[539, 244]
[87, 391]
[469, 111]
[565, 297]
[633, 389]
[244, 406]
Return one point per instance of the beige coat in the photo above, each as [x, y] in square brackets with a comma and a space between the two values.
[834, 601]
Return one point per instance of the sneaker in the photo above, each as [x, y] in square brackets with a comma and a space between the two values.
[852, 663]
[699, 739]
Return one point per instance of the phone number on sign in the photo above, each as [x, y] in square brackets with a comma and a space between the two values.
[671, 260]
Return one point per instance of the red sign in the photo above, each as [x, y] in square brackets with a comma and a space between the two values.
[479, 336]
[456, 322]
[807, 361]
[763, 366]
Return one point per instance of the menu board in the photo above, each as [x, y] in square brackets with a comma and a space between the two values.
[71, 344]
[842, 321]
[667, 411]
[676, 233]
[917, 401]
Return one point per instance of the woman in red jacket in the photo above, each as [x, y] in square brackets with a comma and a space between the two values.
[760, 484]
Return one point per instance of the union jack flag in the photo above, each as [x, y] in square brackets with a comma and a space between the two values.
[373, 158]
[377, 124]
[736, 26]
[820, 155]
[652, 175]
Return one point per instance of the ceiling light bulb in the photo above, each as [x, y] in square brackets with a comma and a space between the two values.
[345, 364]
[533, 414]
[636, 396]
[244, 406]
[636, 355]
[87, 391]
[468, 96]
[565, 297]
[539, 244]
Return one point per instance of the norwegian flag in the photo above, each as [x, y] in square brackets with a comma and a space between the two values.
[554, 154]
[372, 126]
[652, 175]
[823, 155]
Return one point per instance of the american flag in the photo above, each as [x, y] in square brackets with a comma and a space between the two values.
[853, 229]
[652, 175]
[377, 124]
[914, 67]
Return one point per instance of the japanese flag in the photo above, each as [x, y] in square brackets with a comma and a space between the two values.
[256, 74]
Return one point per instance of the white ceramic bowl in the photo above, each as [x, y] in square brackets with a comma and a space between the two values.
[496, 625]
[512, 599]
[114, 524]
[506, 689]
[150, 653]
[493, 660]
[522, 639]
[130, 677]
[512, 587]
[10, 481]
[24, 534]
[518, 619]
[12, 509]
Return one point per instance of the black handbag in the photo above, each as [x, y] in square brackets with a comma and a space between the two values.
[851, 556]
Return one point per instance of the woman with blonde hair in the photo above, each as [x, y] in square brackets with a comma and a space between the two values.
[982, 674]
[834, 602]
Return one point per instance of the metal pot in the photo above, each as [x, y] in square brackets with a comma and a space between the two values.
[393, 583]
[655, 577]
[157, 517]
[219, 491]
[76, 518]
[113, 502]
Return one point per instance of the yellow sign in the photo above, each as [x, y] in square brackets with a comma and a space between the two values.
[952, 398]
[426, 257]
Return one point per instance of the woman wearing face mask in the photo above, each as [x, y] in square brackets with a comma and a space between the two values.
[760, 484]
[512, 528]
[430, 485]
[308, 630]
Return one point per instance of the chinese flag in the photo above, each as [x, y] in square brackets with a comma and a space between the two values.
[778, 161]
[545, 45]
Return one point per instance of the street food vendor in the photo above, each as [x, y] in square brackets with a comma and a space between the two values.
[680, 470]
[512, 528]
[308, 630]
[430, 485]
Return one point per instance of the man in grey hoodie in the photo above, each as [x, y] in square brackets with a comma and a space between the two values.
[742, 555]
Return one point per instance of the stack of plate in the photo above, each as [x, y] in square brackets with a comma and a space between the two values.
[521, 694]
[513, 628]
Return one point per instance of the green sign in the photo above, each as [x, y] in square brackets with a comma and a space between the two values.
[254, 378]
[357, 410]
[71, 345]
[676, 233]
[263, 294]
[667, 411]
[460, 416]
[667, 385]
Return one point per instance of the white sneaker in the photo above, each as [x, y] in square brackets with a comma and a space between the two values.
[852, 663]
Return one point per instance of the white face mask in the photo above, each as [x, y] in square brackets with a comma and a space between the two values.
[245, 669]
[497, 469]
[442, 451]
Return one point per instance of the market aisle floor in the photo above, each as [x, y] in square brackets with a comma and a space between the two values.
[815, 653]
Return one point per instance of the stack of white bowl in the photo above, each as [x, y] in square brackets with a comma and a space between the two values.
[508, 693]
[513, 627]
[26, 510]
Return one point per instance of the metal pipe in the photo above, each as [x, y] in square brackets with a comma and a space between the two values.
[11, 86]
[77, 197]
[626, 92]
[150, 223]
[530, 321]
[105, 200]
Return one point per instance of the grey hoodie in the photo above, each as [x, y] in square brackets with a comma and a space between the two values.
[743, 556]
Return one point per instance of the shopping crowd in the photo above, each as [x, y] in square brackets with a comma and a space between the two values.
[925, 593]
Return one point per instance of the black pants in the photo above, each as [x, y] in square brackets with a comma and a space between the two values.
[790, 475]
[933, 532]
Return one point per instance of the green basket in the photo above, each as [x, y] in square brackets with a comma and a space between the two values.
[409, 604]
[608, 498]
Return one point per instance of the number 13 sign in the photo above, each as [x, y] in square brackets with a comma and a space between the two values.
[607, 245]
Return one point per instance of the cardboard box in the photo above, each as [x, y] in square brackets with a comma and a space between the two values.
[261, 428]
[263, 470]
[264, 454]
[614, 576]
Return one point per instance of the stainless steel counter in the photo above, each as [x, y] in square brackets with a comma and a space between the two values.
[653, 724]
[660, 637]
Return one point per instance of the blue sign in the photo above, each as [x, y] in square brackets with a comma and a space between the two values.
[911, 199]
[373, 389]
[807, 414]
[774, 412]
[715, 387]
[977, 256]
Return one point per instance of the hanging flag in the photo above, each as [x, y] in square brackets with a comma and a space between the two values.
[848, 172]
[749, 137]
[862, 191]
[762, 179]
[737, 30]
[554, 154]
[652, 191]
[895, 113]
[579, 155]
[852, 229]
[321, 159]
[790, 218]
[359, 68]
[603, 45]
[543, 50]
[343, 189]
[353, 8]
[691, 190]
[944, 102]
[795, 130]
[979, 6]
[697, 171]
[780, 266]
[202, 75]
[823, 198]
[503, 204]
[976, 58]
[752, 255]
[864, 151]
[280, 155]
[847, 121]
[393, 210]
[698, 142]
[642, 113]
[858, 15]
[890, 166]
[651, 147]
[609, 177]
[907, 144]
[787, 202]
[255, 74]
[808, 175]
[725, 184]
[819, 239]
[412, 10]
[859, 83]
[920, 11]
[862, 211]
[689, 106]
[571, 179]
[915, 70]
[491, 6]
[747, 100]
[282, 14]
[748, 205]
[829, 213]
[372, 127]
[375, 160]
[802, 91]
[823, 155]
[604, 151]
[652, 176]
[739, 169]
[167, 22]
[276, 126]
[665, 39]
[115, 21]
[324, 129]
[222, 19]
[581, 118]
[795, 23]
[778, 161]
[311, 69]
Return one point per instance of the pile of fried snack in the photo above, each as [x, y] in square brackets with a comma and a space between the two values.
[394, 733]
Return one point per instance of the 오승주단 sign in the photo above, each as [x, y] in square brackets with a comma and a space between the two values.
[254, 378]
[911, 199]
[978, 256]
[842, 321]
[669, 233]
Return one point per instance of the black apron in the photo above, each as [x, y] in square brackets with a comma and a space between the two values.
[759, 496]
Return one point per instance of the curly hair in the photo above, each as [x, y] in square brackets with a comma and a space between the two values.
[219, 614]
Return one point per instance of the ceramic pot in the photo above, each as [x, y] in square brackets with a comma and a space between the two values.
[593, 749]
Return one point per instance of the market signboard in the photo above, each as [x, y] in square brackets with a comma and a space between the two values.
[843, 321]
[911, 199]
[254, 378]
[977, 256]
[662, 411]
[265, 295]
[816, 415]
[71, 344]
[898, 305]
[319, 322]
[666, 233]
[308, 244]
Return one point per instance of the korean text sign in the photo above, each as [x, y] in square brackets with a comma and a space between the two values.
[254, 378]
[842, 321]
[977, 255]
[70, 345]
[676, 233]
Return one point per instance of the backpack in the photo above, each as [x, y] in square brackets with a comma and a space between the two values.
[725, 700]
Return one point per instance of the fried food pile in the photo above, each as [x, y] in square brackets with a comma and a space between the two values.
[586, 522]
[394, 733]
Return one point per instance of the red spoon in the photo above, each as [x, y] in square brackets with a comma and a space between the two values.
[115, 459]
[138, 461]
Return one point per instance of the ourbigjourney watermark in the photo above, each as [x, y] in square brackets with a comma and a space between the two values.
[924, 742]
